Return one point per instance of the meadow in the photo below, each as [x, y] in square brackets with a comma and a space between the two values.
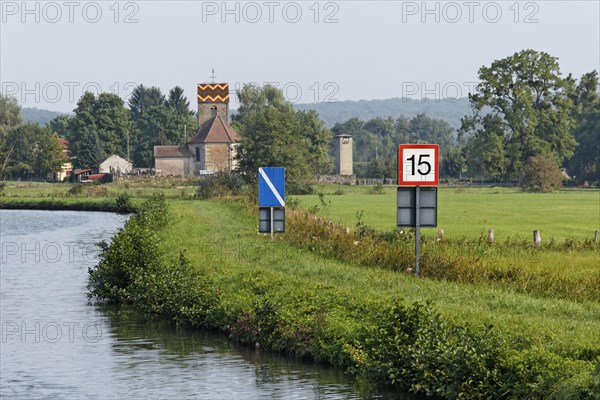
[471, 212]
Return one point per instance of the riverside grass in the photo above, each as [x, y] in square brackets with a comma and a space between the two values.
[439, 338]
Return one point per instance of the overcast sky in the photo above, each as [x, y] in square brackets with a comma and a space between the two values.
[317, 51]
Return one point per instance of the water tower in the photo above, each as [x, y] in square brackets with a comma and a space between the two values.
[343, 155]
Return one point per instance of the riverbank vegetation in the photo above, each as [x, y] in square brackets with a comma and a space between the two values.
[202, 264]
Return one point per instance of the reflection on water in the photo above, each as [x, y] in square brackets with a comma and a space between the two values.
[55, 345]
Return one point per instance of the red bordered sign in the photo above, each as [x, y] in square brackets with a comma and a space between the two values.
[418, 165]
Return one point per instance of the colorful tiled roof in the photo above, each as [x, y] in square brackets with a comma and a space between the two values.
[213, 93]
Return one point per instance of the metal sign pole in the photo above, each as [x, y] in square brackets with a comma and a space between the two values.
[272, 223]
[417, 231]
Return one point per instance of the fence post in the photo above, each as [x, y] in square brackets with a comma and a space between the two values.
[491, 236]
[441, 235]
[537, 238]
[596, 235]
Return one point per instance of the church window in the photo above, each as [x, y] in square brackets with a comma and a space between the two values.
[197, 153]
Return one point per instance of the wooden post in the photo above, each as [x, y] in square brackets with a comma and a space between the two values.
[491, 236]
[537, 238]
[596, 235]
[441, 234]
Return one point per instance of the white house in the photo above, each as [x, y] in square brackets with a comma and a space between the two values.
[115, 165]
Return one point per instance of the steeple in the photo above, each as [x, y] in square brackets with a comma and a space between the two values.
[213, 99]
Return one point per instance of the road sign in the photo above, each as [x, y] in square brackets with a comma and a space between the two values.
[407, 207]
[418, 165]
[271, 187]
[264, 219]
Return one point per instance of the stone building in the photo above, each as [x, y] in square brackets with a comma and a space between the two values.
[214, 146]
[343, 155]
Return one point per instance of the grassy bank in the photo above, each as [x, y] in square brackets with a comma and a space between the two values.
[441, 338]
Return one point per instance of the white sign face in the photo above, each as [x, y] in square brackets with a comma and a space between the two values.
[418, 165]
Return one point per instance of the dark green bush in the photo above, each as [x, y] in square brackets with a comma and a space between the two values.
[123, 204]
[221, 184]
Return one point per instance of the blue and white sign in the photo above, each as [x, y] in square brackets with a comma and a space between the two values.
[271, 187]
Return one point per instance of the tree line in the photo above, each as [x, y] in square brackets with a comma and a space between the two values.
[101, 125]
[527, 120]
[526, 117]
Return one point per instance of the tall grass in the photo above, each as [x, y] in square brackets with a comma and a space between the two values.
[458, 260]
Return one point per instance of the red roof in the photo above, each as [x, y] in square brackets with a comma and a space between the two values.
[215, 130]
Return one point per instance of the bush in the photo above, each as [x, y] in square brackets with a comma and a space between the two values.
[221, 184]
[123, 203]
[541, 174]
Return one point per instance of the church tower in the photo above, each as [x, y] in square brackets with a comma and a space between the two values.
[213, 99]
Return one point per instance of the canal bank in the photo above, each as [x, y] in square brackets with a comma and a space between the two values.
[203, 264]
[56, 345]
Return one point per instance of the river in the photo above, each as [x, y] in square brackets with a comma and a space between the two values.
[56, 345]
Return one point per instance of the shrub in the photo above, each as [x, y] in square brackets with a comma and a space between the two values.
[123, 204]
[541, 174]
[221, 184]
[76, 190]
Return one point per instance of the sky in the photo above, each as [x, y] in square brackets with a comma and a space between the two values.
[316, 51]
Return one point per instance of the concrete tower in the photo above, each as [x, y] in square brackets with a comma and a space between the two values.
[343, 155]
[213, 99]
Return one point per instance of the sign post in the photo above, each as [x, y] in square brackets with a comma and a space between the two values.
[418, 177]
[271, 200]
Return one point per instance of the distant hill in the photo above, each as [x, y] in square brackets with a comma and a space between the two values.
[38, 116]
[449, 111]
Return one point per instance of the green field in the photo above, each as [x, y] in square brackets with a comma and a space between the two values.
[471, 212]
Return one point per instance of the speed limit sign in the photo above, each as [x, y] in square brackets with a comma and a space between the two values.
[418, 165]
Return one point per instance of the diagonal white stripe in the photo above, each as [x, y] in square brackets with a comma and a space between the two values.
[271, 186]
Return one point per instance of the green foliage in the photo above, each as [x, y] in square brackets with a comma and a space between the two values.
[123, 203]
[10, 112]
[275, 135]
[541, 174]
[523, 109]
[158, 121]
[376, 141]
[220, 184]
[30, 151]
[458, 260]
[376, 189]
[99, 128]
[585, 163]
[297, 303]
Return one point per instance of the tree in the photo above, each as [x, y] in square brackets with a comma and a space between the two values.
[158, 122]
[142, 98]
[102, 122]
[10, 111]
[430, 130]
[34, 152]
[522, 107]
[178, 102]
[585, 163]
[541, 174]
[86, 147]
[275, 135]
